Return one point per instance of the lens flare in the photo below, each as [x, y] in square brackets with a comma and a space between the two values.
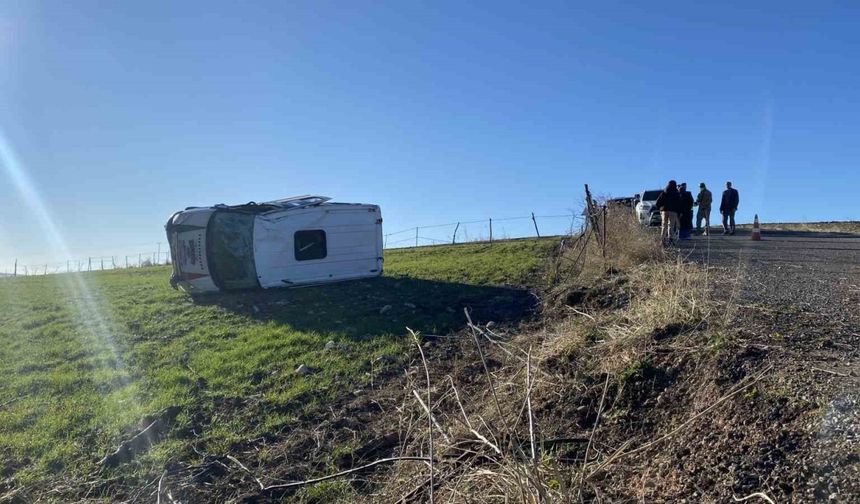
[88, 311]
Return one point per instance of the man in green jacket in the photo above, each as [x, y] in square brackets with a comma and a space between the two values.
[703, 201]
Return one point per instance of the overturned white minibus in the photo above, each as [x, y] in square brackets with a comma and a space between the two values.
[293, 241]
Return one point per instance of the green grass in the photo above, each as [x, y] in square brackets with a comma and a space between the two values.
[516, 262]
[81, 370]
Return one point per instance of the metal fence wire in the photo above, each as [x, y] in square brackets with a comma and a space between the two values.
[489, 229]
[90, 263]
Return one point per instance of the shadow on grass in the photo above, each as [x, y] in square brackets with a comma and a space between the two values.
[363, 308]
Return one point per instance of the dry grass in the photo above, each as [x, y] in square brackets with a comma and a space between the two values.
[502, 429]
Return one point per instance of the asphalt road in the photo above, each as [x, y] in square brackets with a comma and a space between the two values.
[819, 271]
[795, 298]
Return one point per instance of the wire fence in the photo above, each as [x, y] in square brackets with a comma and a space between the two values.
[490, 229]
[159, 256]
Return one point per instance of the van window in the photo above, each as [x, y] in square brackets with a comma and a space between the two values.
[310, 245]
[230, 249]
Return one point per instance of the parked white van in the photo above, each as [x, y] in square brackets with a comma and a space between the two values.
[293, 241]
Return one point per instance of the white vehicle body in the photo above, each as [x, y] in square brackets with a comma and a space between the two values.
[646, 208]
[294, 241]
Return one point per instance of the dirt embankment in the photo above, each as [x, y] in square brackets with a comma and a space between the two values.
[651, 378]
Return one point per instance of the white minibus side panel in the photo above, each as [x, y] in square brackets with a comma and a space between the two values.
[325, 243]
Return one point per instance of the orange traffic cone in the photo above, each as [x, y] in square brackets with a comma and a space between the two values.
[756, 231]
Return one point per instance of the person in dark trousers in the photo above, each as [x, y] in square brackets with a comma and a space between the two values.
[728, 207]
[703, 201]
[669, 204]
[686, 214]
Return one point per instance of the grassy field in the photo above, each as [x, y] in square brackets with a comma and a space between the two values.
[88, 361]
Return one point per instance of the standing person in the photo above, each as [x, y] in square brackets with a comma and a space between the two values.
[703, 201]
[669, 204]
[728, 207]
[685, 216]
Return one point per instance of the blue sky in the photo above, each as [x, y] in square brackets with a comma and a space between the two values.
[120, 113]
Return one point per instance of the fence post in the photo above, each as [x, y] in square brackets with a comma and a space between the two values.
[416, 236]
[46, 269]
[126, 262]
[15, 269]
[139, 262]
[593, 218]
[68, 266]
[102, 260]
[454, 239]
[491, 230]
[89, 263]
[536, 228]
[603, 230]
[158, 257]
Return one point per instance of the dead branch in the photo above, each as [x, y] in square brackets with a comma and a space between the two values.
[459, 403]
[593, 431]
[429, 415]
[432, 418]
[128, 445]
[590, 317]
[160, 480]
[487, 372]
[142, 439]
[760, 495]
[312, 481]
[828, 371]
[236, 461]
[529, 403]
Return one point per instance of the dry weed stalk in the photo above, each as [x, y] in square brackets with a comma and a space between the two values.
[430, 419]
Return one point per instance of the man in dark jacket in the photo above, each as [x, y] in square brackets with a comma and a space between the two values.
[686, 214]
[728, 207]
[669, 204]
